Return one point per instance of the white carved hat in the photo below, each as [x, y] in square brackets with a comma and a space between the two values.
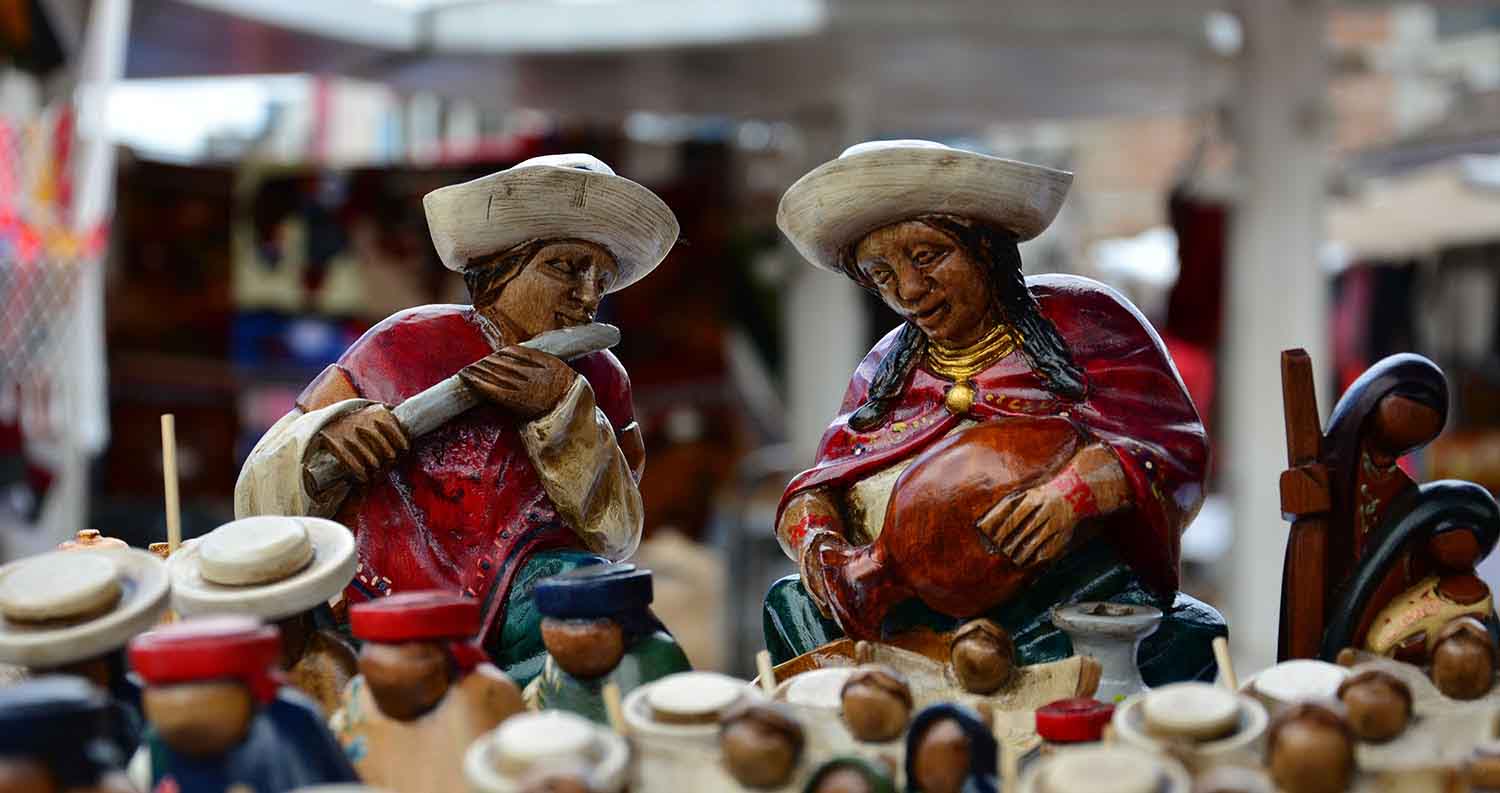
[881, 182]
[270, 567]
[557, 196]
[65, 606]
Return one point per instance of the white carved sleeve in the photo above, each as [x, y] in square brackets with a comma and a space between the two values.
[271, 482]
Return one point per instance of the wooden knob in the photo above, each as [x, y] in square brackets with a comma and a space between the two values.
[941, 763]
[1310, 749]
[761, 744]
[1378, 704]
[876, 704]
[1463, 659]
[983, 655]
[584, 648]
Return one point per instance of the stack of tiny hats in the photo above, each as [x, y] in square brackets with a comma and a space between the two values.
[594, 591]
[269, 567]
[63, 721]
[62, 607]
[217, 648]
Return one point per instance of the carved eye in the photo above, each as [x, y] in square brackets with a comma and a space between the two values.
[560, 265]
[926, 256]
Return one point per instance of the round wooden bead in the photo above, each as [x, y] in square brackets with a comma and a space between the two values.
[1378, 704]
[1310, 749]
[983, 655]
[761, 745]
[942, 763]
[584, 648]
[876, 703]
[1463, 660]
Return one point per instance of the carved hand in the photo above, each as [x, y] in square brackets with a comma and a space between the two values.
[1034, 526]
[810, 565]
[524, 381]
[365, 440]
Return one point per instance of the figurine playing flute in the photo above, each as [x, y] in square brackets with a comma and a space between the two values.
[540, 475]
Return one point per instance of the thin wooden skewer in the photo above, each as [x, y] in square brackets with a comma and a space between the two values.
[169, 481]
[1226, 664]
[767, 672]
[614, 710]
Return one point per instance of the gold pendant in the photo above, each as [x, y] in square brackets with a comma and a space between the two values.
[960, 398]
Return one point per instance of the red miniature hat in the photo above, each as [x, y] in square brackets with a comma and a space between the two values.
[415, 616]
[1075, 720]
[211, 649]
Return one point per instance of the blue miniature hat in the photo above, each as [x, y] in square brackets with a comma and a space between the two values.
[63, 721]
[594, 591]
[982, 748]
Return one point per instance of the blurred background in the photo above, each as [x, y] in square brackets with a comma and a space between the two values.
[202, 202]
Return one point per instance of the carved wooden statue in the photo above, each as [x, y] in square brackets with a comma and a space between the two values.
[424, 692]
[218, 717]
[537, 478]
[56, 736]
[1015, 443]
[1376, 562]
[281, 570]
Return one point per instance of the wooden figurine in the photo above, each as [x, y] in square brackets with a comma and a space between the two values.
[1016, 443]
[598, 629]
[218, 717]
[56, 737]
[950, 750]
[455, 442]
[424, 690]
[281, 570]
[1310, 749]
[72, 613]
[1201, 724]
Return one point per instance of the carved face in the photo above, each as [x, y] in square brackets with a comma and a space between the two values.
[561, 286]
[930, 280]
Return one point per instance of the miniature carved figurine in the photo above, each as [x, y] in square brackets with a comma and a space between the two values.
[598, 628]
[761, 744]
[1379, 704]
[1310, 749]
[1016, 443]
[218, 718]
[72, 613]
[281, 570]
[424, 691]
[876, 703]
[56, 737]
[949, 750]
[540, 476]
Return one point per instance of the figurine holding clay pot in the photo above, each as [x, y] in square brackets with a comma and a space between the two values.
[218, 717]
[1012, 442]
[56, 737]
[598, 628]
[424, 692]
[540, 475]
[284, 571]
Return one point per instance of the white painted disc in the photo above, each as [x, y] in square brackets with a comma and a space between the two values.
[819, 688]
[1303, 678]
[1102, 769]
[528, 739]
[59, 585]
[257, 550]
[694, 694]
[1191, 710]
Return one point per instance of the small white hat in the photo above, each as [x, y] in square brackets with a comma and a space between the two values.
[557, 196]
[881, 182]
[269, 566]
[532, 743]
[65, 606]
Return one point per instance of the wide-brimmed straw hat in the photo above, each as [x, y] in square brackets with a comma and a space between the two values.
[269, 566]
[558, 196]
[65, 606]
[881, 182]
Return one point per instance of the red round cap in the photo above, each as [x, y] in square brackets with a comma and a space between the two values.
[414, 616]
[206, 649]
[1075, 720]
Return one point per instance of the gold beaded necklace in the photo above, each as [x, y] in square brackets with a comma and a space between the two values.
[961, 364]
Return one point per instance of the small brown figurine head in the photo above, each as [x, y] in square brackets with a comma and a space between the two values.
[876, 703]
[1463, 659]
[584, 648]
[1310, 749]
[983, 655]
[415, 647]
[543, 285]
[1378, 704]
[761, 744]
[203, 719]
[842, 780]
[941, 762]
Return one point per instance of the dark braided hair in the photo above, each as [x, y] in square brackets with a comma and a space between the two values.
[486, 275]
[1041, 344]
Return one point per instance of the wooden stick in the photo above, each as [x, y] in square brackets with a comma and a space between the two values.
[169, 481]
[1226, 664]
[614, 709]
[1010, 764]
[767, 673]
